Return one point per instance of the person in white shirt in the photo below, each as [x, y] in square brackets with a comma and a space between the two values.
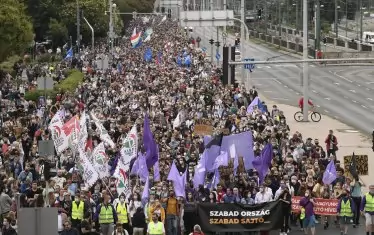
[283, 185]
[263, 195]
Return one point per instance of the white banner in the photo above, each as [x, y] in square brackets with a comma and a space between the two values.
[104, 136]
[100, 161]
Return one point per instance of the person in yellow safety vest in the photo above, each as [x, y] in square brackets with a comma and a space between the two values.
[77, 211]
[106, 216]
[302, 217]
[155, 227]
[346, 209]
[123, 216]
[367, 208]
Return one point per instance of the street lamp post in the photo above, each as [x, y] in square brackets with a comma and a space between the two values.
[111, 28]
[78, 28]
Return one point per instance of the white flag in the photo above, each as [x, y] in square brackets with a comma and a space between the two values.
[103, 133]
[100, 161]
[129, 146]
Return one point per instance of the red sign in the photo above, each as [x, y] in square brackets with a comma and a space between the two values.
[323, 207]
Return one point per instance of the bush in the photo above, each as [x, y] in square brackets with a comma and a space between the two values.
[7, 65]
[69, 84]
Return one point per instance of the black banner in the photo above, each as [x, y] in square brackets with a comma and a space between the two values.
[239, 217]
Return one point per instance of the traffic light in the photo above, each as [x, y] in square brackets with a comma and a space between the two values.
[237, 42]
[259, 13]
[217, 44]
[169, 13]
[211, 41]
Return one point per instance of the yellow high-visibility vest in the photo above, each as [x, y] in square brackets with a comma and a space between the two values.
[106, 215]
[302, 214]
[122, 214]
[77, 211]
[369, 205]
[345, 208]
[156, 228]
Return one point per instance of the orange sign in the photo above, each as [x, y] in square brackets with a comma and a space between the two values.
[323, 207]
[203, 130]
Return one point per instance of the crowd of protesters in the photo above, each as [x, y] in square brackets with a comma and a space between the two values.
[162, 88]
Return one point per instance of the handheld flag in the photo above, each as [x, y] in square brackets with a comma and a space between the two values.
[263, 162]
[353, 167]
[69, 54]
[329, 175]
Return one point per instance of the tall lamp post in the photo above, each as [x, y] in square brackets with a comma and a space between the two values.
[111, 26]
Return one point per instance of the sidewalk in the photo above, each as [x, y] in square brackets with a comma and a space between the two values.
[349, 140]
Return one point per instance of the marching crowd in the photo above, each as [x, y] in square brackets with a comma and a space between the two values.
[177, 97]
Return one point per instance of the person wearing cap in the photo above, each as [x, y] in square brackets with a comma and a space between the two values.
[346, 209]
[197, 230]
[155, 227]
[367, 209]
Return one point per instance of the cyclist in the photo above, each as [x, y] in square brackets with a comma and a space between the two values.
[301, 103]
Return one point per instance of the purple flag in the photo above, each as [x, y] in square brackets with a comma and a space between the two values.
[149, 143]
[263, 162]
[156, 171]
[216, 179]
[236, 158]
[142, 170]
[145, 194]
[179, 181]
[243, 144]
[135, 167]
[252, 105]
[329, 175]
[211, 154]
[200, 170]
[221, 160]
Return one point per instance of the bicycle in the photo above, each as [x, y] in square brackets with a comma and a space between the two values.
[314, 115]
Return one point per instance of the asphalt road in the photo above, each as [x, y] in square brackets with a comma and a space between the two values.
[341, 92]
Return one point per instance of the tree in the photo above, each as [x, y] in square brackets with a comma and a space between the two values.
[57, 32]
[16, 31]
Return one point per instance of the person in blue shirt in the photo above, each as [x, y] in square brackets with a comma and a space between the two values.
[228, 197]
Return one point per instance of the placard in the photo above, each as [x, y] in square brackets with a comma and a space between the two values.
[203, 130]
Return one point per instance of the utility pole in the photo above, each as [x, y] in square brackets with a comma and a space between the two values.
[279, 22]
[297, 16]
[78, 28]
[305, 64]
[242, 35]
[336, 19]
[346, 18]
[361, 20]
[266, 15]
[318, 26]
[111, 25]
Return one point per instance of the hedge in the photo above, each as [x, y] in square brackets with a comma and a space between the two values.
[75, 77]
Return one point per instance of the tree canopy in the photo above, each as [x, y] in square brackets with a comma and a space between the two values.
[16, 32]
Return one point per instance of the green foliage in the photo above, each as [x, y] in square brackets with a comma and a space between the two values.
[58, 32]
[69, 84]
[15, 29]
[7, 65]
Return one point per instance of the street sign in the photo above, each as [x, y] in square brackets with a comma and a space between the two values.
[249, 66]
[204, 49]
[218, 56]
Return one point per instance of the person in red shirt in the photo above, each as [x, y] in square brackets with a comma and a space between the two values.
[197, 230]
[301, 103]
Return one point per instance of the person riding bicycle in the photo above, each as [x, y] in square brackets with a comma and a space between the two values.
[301, 103]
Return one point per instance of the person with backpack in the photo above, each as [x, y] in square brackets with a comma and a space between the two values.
[346, 210]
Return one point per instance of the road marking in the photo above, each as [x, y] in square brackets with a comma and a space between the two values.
[276, 80]
[354, 101]
[327, 98]
[368, 89]
[358, 85]
[369, 99]
[326, 111]
[318, 106]
[279, 98]
[369, 82]
[364, 106]
[268, 91]
[336, 83]
[285, 86]
[336, 74]
[353, 91]
[297, 93]
[314, 91]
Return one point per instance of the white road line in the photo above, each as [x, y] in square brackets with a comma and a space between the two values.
[353, 91]
[369, 82]
[279, 98]
[336, 74]
[314, 91]
[369, 99]
[285, 86]
[318, 106]
[297, 93]
[364, 106]
[327, 98]
[368, 89]
[358, 85]
[268, 91]
[276, 80]
[354, 101]
[336, 83]
[326, 111]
